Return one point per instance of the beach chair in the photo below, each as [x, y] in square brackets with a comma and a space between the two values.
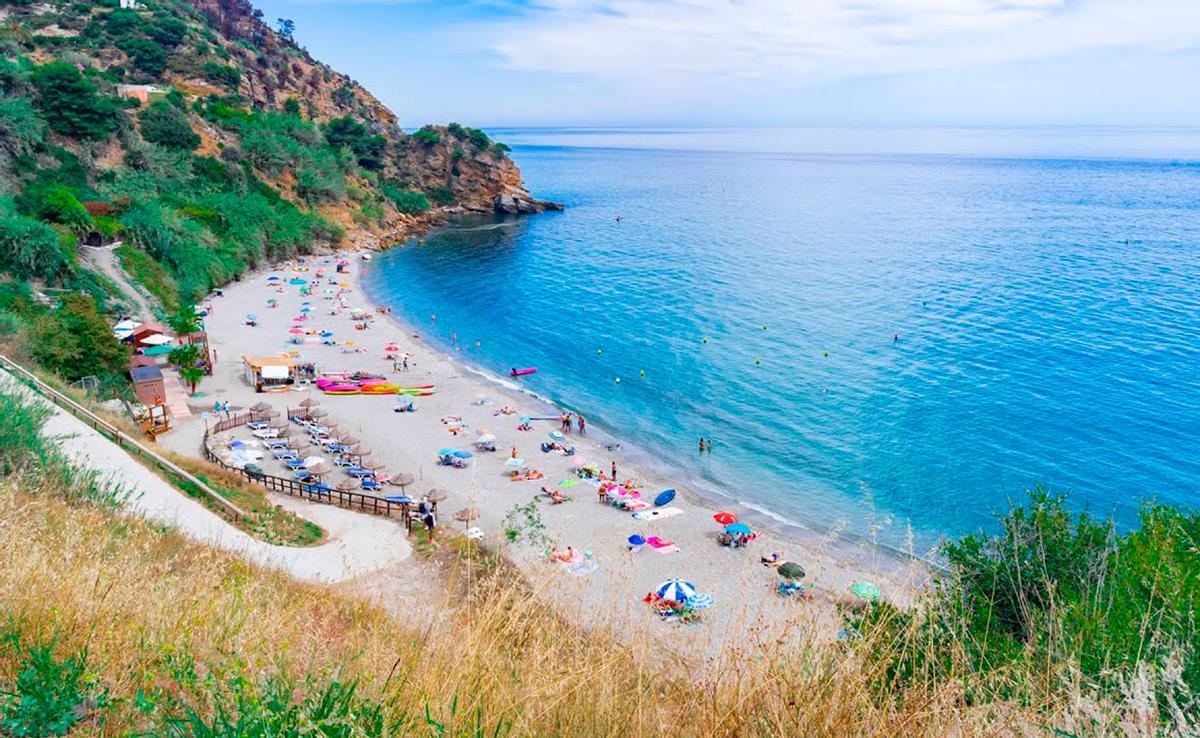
[266, 433]
[293, 463]
[301, 475]
[358, 472]
[274, 443]
[284, 454]
[369, 484]
[257, 424]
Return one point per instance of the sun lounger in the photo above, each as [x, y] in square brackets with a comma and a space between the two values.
[359, 472]
[284, 454]
[266, 433]
[257, 424]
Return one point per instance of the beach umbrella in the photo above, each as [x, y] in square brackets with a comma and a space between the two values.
[515, 463]
[391, 347]
[868, 591]
[251, 317]
[486, 438]
[436, 495]
[568, 483]
[636, 540]
[273, 278]
[791, 570]
[446, 451]
[738, 529]
[309, 402]
[676, 590]
[312, 461]
[346, 440]
[297, 331]
[297, 280]
[463, 454]
[372, 465]
[320, 469]
[403, 479]
[466, 515]
[348, 485]
[725, 518]
[664, 498]
[317, 412]
[306, 310]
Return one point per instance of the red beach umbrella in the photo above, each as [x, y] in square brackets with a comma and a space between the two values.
[725, 518]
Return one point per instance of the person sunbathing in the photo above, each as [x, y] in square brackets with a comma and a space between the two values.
[506, 410]
[775, 558]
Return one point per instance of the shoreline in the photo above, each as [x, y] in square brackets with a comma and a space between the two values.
[708, 495]
[747, 605]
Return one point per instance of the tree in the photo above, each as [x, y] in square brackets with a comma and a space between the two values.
[186, 358]
[286, 27]
[349, 133]
[167, 125]
[291, 106]
[185, 320]
[71, 104]
[148, 56]
[75, 341]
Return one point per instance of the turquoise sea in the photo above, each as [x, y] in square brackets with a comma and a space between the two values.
[886, 333]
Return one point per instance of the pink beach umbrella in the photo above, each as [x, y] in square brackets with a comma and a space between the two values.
[297, 331]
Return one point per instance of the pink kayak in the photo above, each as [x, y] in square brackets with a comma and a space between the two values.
[515, 372]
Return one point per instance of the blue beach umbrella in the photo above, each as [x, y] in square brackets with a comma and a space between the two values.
[738, 529]
[326, 334]
[306, 310]
[664, 498]
[297, 280]
[446, 451]
[463, 454]
[273, 278]
[676, 590]
[636, 540]
[251, 316]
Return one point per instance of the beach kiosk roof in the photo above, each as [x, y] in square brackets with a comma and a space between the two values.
[264, 372]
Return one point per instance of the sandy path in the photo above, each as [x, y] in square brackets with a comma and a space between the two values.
[357, 544]
[407, 442]
[105, 260]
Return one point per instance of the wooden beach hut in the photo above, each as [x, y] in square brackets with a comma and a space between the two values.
[268, 373]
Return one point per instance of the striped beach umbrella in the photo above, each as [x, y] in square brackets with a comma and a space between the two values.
[676, 590]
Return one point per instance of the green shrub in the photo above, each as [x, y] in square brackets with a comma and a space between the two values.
[22, 130]
[167, 125]
[70, 104]
[168, 31]
[147, 272]
[122, 22]
[440, 196]
[29, 248]
[219, 74]
[76, 341]
[406, 201]
[55, 203]
[148, 56]
[50, 696]
[349, 133]
[426, 136]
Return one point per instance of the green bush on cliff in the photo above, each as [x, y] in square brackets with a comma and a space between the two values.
[71, 103]
[22, 130]
[76, 341]
[29, 249]
[406, 201]
[219, 74]
[167, 125]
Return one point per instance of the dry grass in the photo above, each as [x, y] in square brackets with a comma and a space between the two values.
[179, 620]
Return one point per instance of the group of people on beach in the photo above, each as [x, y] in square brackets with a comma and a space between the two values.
[573, 419]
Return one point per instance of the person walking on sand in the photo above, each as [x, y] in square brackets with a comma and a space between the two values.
[514, 453]
[428, 517]
[582, 424]
[614, 472]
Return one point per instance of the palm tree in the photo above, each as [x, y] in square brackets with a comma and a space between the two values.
[185, 320]
[192, 375]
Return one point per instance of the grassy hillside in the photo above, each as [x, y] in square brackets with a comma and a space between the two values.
[244, 149]
[1058, 626]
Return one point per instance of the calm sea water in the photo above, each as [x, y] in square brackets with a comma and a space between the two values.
[1044, 287]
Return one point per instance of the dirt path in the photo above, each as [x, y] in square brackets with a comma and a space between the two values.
[104, 260]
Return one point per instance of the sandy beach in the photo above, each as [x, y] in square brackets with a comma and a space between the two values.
[745, 605]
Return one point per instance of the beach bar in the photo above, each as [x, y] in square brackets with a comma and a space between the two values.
[266, 373]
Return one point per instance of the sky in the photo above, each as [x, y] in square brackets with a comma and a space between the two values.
[501, 63]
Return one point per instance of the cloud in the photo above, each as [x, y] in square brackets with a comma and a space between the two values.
[690, 44]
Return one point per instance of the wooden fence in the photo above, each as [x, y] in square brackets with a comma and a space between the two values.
[307, 490]
[117, 436]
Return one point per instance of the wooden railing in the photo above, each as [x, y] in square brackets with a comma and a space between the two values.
[114, 433]
[307, 490]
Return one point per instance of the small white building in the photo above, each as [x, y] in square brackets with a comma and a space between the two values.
[132, 5]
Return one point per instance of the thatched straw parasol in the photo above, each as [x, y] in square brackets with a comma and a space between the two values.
[320, 469]
[347, 485]
[403, 479]
[277, 423]
[346, 440]
[317, 412]
[467, 515]
[310, 402]
[259, 407]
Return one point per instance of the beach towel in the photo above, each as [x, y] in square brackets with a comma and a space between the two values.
[580, 565]
[636, 505]
[659, 514]
[662, 545]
